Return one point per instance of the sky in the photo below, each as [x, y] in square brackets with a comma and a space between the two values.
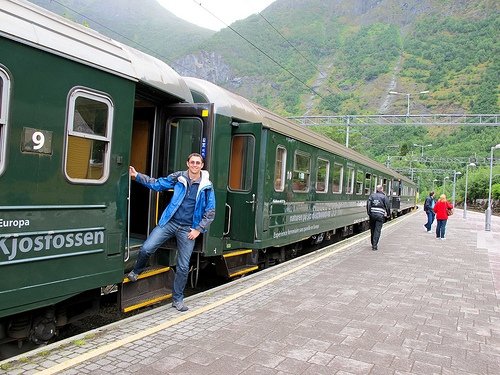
[227, 10]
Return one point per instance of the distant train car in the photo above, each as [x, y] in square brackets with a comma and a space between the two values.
[77, 108]
[278, 183]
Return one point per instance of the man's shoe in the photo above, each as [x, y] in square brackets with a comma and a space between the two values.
[374, 248]
[180, 306]
[425, 228]
[132, 276]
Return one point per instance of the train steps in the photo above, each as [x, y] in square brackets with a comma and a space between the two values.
[154, 285]
[237, 263]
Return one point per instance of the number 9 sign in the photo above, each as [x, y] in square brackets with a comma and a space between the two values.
[37, 141]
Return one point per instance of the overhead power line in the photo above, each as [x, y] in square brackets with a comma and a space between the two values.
[146, 48]
[291, 45]
[315, 67]
[125, 37]
[261, 51]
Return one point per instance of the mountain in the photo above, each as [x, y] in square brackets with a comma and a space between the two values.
[144, 25]
[351, 53]
[335, 57]
[355, 52]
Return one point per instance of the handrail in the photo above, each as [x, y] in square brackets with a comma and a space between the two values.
[128, 219]
[228, 222]
[452, 119]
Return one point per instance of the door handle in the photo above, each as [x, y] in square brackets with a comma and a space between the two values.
[253, 199]
[252, 202]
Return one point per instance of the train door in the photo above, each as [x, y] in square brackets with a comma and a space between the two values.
[242, 197]
[161, 143]
[162, 138]
[396, 193]
[186, 131]
[145, 114]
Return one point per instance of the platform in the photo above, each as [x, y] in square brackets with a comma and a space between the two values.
[418, 305]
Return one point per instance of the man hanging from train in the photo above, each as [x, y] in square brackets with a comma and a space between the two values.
[378, 208]
[188, 214]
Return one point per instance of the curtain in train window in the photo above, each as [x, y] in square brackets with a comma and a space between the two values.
[89, 136]
[4, 107]
[241, 164]
[280, 169]
[301, 172]
[338, 176]
[322, 176]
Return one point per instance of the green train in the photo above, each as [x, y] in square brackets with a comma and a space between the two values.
[77, 108]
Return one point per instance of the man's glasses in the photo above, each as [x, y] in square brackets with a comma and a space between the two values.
[195, 162]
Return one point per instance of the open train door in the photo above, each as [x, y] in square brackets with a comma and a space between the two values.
[187, 131]
[242, 197]
[163, 137]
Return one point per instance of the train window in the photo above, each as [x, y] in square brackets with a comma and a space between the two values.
[360, 175]
[4, 106]
[301, 172]
[374, 183]
[338, 176]
[241, 163]
[396, 187]
[185, 138]
[368, 178]
[280, 169]
[90, 116]
[350, 180]
[322, 176]
[384, 185]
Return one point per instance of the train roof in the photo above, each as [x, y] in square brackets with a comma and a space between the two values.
[32, 25]
[239, 108]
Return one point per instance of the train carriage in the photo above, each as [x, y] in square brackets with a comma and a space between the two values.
[281, 183]
[76, 109]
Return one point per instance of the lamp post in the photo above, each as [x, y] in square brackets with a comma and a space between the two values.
[408, 98]
[422, 148]
[487, 225]
[444, 184]
[466, 181]
[455, 174]
[348, 120]
[433, 183]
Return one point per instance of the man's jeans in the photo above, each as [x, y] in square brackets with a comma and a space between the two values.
[185, 248]
[430, 219]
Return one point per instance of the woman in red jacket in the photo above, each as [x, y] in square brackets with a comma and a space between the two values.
[441, 209]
